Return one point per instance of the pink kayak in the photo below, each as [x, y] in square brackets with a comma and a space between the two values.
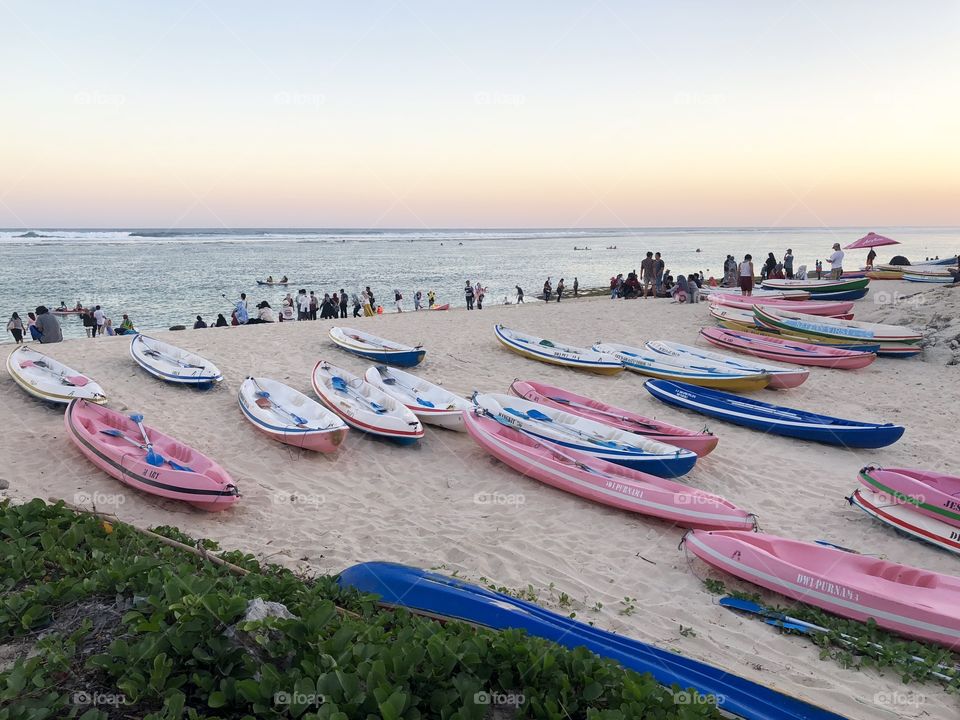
[829, 308]
[600, 481]
[931, 493]
[113, 442]
[789, 351]
[702, 443]
[913, 602]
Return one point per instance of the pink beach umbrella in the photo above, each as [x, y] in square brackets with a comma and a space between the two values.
[871, 240]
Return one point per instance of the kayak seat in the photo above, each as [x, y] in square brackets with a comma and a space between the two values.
[902, 575]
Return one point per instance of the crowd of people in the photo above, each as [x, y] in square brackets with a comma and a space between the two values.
[42, 325]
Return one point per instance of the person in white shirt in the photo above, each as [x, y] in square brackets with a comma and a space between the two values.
[101, 319]
[836, 262]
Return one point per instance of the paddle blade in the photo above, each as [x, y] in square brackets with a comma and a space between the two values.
[27, 363]
[377, 407]
[537, 415]
[112, 432]
[264, 403]
[339, 383]
[137, 418]
[425, 403]
[78, 380]
[178, 466]
[154, 458]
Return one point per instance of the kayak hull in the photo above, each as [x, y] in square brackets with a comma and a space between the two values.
[354, 407]
[206, 485]
[775, 419]
[903, 517]
[701, 443]
[788, 351]
[534, 348]
[651, 364]
[930, 493]
[50, 382]
[817, 287]
[781, 378]
[599, 440]
[916, 603]
[376, 348]
[432, 404]
[602, 482]
[322, 431]
[443, 597]
[171, 364]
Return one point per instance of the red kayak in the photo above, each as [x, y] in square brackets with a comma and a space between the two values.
[828, 308]
[441, 307]
[702, 443]
[788, 351]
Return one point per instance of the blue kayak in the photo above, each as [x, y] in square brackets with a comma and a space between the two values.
[775, 419]
[445, 597]
[840, 295]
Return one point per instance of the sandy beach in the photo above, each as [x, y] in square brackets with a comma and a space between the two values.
[446, 504]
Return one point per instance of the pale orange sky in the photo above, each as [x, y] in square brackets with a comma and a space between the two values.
[425, 115]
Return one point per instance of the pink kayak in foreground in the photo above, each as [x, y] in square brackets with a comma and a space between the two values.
[702, 443]
[603, 482]
[829, 308]
[113, 442]
[913, 602]
[788, 351]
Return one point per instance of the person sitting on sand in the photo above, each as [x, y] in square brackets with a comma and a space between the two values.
[48, 326]
[693, 288]
[681, 290]
[266, 313]
[126, 326]
[221, 321]
[32, 326]
[199, 323]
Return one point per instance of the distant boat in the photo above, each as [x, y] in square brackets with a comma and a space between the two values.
[611, 247]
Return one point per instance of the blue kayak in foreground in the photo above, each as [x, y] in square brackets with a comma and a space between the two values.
[775, 419]
[449, 598]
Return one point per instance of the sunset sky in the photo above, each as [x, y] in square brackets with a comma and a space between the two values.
[495, 114]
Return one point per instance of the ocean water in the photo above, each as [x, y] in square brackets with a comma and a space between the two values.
[163, 278]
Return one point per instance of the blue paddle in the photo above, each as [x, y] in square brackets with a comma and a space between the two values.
[118, 434]
[273, 405]
[153, 458]
[779, 619]
[387, 380]
[537, 415]
[340, 385]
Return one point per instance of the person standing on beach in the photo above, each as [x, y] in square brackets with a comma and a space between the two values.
[871, 256]
[479, 292]
[48, 326]
[303, 305]
[101, 319]
[357, 305]
[746, 275]
[648, 274]
[836, 262]
[15, 326]
[519, 295]
[417, 300]
[468, 295]
[547, 290]
[343, 303]
[398, 299]
[788, 264]
[658, 267]
[431, 298]
[560, 289]
[576, 288]
[314, 305]
[373, 301]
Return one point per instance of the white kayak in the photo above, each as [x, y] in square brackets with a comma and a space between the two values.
[48, 379]
[604, 441]
[289, 416]
[431, 403]
[686, 369]
[780, 377]
[548, 351]
[363, 406]
[173, 364]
